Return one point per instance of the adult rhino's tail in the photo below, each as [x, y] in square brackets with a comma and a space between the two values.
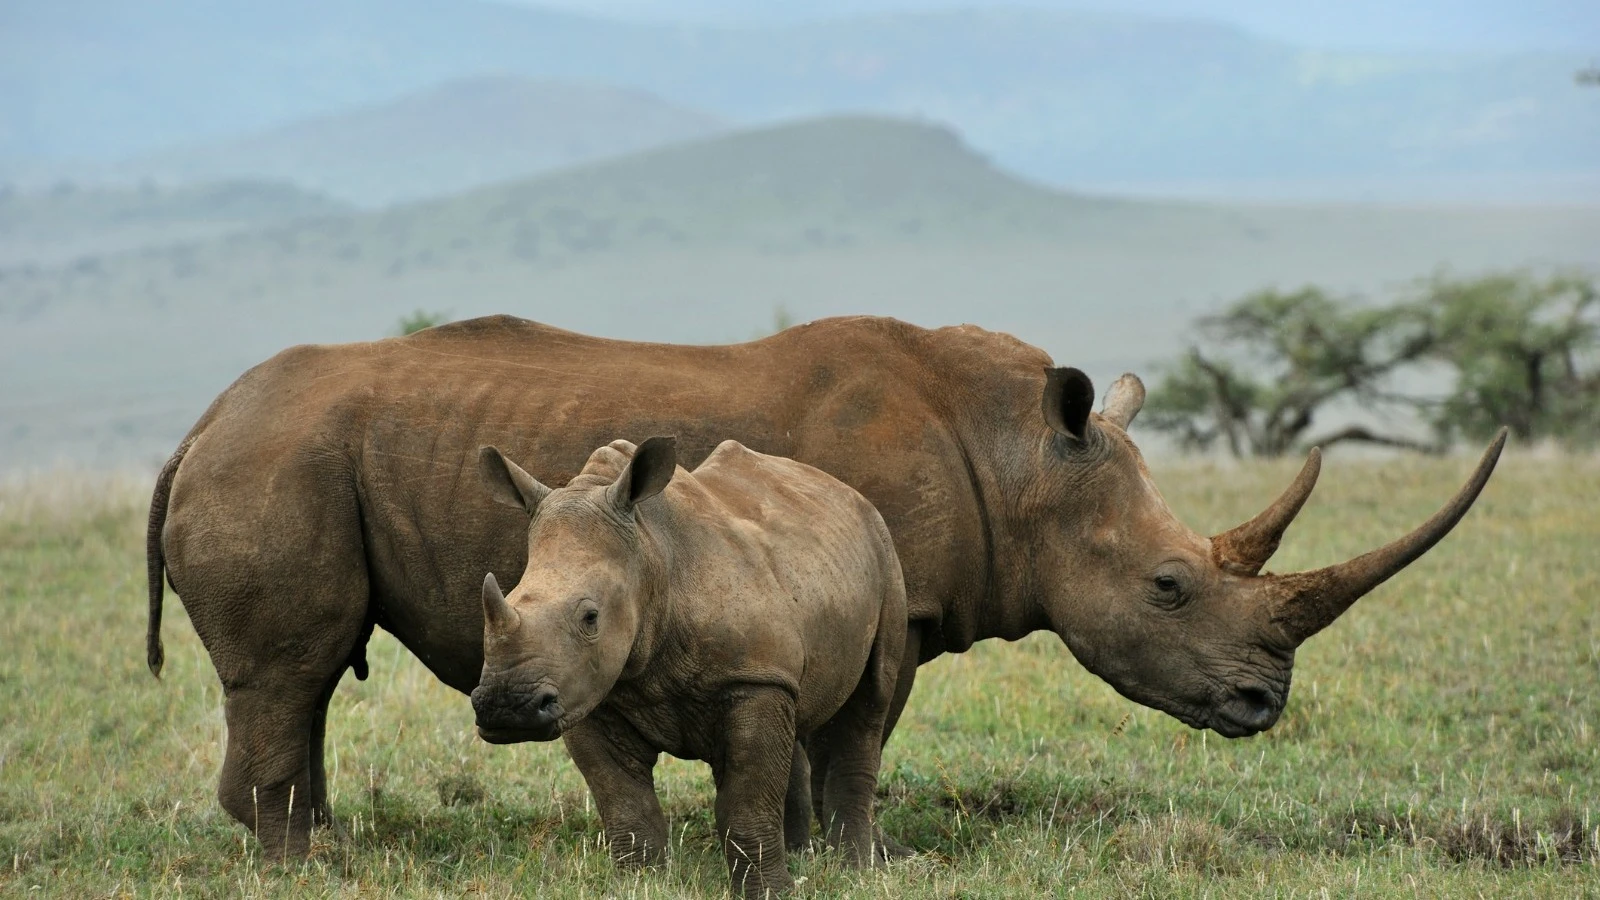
[155, 563]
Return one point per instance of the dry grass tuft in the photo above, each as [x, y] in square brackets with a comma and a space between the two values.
[1559, 838]
[1179, 843]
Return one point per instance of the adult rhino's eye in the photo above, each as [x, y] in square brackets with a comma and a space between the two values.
[1168, 591]
[591, 619]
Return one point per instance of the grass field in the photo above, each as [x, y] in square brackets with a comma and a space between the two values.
[1440, 740]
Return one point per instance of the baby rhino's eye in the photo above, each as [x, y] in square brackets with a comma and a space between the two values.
[590, 617]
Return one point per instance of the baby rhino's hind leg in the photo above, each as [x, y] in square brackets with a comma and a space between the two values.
[852, 744]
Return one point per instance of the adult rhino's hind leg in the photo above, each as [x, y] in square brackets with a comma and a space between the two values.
[272, 778]
[322, 813]
[278, 592]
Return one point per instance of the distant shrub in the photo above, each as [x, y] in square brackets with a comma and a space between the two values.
[420, 319]
[781, 320]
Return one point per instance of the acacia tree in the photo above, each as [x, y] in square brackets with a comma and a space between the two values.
[1274, 360]
[1526, 352]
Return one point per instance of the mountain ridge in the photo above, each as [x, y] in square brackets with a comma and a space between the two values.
[458, 135]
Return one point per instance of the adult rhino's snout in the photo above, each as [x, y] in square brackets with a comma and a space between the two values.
[509, 716]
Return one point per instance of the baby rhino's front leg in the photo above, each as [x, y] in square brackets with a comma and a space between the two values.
[619, 767]
[752, 776]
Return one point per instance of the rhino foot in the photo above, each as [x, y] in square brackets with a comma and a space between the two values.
[886, 849]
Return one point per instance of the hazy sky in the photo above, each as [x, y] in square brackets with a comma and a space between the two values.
[1375, 24]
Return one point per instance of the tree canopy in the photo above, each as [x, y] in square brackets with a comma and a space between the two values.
[1526, 354]
[1520, 350]
[1274, 360]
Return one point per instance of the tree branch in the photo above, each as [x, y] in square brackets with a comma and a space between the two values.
[1362, 435]
[1229, 411]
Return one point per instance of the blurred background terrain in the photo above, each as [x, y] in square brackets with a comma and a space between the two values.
[189, 187]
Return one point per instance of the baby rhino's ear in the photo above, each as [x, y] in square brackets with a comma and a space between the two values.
[508, 484]
[647, 473]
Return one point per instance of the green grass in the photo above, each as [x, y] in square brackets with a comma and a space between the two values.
[1440, 740]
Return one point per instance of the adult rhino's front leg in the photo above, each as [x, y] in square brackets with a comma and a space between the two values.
[797, 805]
[853, 737]
[619, 767]
[910, 659]
[752, 776]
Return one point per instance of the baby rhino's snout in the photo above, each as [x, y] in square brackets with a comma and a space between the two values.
[508, 714]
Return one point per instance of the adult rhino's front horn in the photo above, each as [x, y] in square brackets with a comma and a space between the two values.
[1304, 603]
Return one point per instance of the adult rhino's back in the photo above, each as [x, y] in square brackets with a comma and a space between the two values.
[364, 455]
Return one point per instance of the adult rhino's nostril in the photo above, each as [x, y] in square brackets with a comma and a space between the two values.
[1254, 708]
[1257, 697]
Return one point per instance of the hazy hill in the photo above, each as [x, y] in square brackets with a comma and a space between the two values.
[439, 141]
[849, 181]
[1071, 97]
[69, 221]
[109, 360]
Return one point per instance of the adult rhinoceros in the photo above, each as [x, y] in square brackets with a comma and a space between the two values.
[334, 489]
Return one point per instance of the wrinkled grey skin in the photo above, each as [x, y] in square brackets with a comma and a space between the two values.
[717, 615]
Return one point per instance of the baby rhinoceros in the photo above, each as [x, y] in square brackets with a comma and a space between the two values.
[754, 602]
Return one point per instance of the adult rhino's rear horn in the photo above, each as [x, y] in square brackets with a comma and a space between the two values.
[1123, 400]
[1307, 602]
[1245, 549]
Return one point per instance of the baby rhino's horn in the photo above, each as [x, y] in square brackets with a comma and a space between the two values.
[496, 611]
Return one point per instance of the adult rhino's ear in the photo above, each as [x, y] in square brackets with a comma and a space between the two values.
[508, 484]
[647, 473]
[1068, 400]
